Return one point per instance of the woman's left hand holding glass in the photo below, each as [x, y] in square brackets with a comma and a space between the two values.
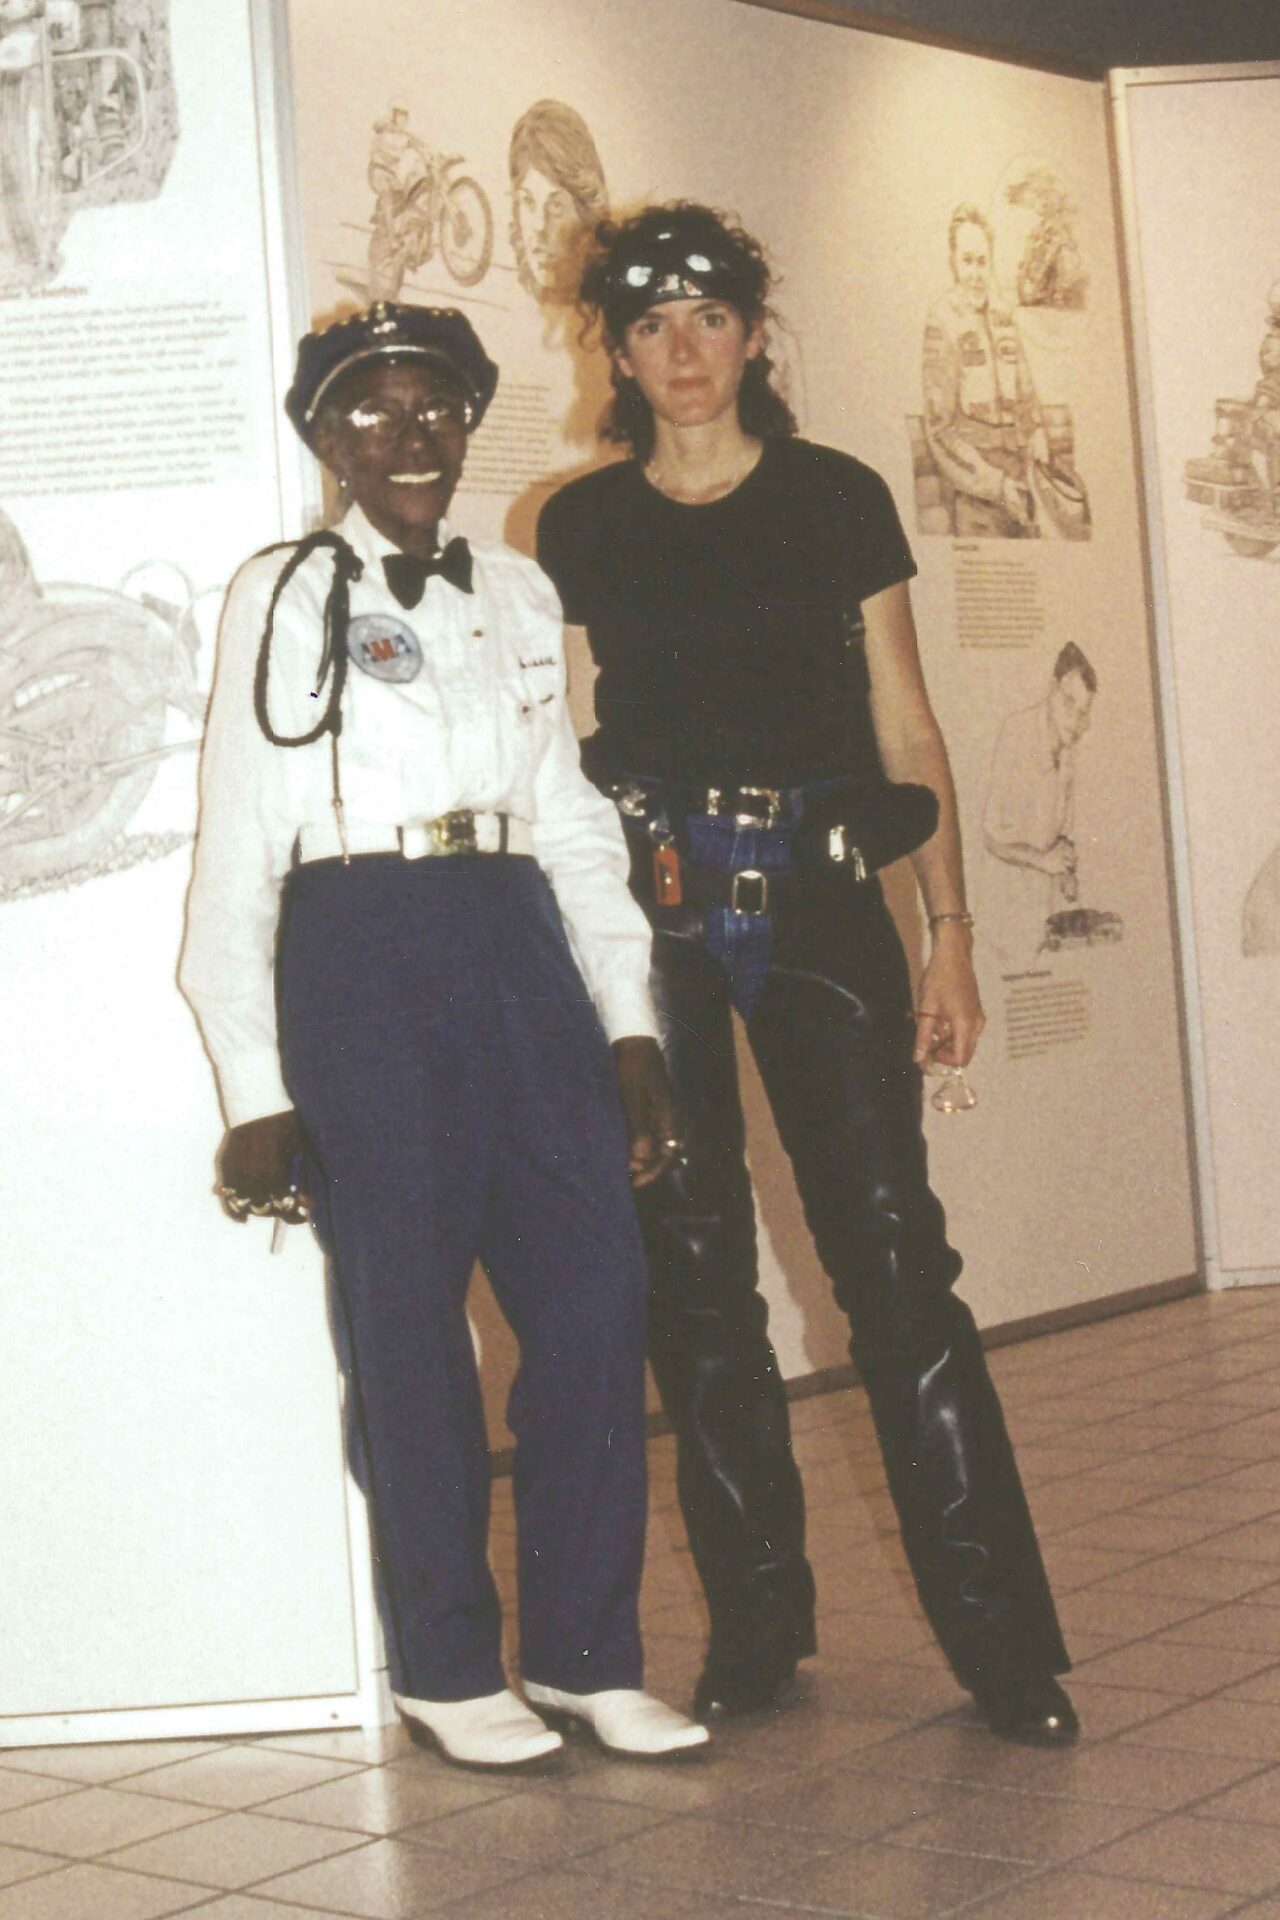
[948, 1010]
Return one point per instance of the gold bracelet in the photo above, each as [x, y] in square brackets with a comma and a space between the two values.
[964, 919]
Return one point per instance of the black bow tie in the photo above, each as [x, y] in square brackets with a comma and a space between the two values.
[407, 576]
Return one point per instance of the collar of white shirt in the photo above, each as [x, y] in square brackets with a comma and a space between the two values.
[371, 546]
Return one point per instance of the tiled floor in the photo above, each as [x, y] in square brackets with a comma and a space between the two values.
[1151, 1447]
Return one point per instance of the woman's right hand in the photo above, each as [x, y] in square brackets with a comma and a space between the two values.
[256, 1167]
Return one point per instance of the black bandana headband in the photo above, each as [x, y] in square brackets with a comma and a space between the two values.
[676, 263]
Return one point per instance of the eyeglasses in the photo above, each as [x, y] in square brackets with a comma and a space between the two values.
[386, 421]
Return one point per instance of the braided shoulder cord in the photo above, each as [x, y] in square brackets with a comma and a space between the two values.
[333, 658]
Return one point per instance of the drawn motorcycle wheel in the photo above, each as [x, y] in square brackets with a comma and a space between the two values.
[82, 712]
[466, 231]
[1253, 548]
[28, 181]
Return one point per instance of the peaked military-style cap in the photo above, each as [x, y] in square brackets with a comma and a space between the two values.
[441, 336]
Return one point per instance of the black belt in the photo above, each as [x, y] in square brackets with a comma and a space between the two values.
[746, 806]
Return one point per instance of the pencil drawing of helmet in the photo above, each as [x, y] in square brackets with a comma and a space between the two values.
[558, 193]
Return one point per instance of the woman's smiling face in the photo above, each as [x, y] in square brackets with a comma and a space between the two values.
[395, 434]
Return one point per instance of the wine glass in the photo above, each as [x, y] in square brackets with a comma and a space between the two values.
[953, 1094]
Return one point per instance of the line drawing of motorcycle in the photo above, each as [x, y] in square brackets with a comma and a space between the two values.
[88, 676]
[71, 113]
[1243, 502]
[1239, 479]
[419, 206]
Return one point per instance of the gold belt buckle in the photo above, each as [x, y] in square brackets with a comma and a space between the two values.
[455, 832]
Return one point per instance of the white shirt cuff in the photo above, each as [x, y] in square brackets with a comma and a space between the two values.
[626, 1011]
[251, 1086]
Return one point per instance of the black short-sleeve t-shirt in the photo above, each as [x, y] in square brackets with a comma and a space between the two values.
[729, 636]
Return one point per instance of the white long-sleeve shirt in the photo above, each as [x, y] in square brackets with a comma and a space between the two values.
[483, 725]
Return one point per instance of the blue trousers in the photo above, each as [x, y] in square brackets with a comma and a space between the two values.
[459, 1103]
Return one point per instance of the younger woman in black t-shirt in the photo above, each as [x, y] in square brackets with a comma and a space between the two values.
[744, 594]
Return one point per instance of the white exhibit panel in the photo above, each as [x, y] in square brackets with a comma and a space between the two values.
[176, 1530]
[454, 155]
[1201, 153]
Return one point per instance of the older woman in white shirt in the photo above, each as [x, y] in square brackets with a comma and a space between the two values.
[410, 942]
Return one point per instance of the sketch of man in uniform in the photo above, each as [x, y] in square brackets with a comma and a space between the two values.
[982, 419]
[558, 194]
[1028, 822]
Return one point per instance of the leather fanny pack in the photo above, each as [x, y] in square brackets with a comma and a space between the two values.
[865, 828]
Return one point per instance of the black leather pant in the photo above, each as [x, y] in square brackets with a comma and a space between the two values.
[832, 1036]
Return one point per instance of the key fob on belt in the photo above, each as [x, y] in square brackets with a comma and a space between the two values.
[666, 876]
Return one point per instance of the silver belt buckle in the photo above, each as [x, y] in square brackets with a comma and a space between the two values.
[749, 892]
[455, 832]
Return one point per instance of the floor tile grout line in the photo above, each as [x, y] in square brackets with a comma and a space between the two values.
[150, 1873]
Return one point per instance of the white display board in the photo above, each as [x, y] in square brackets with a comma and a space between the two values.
[453, 156]
[171, 1478]
[1204, 248]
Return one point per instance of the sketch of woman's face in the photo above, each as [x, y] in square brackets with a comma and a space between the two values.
[548, 224]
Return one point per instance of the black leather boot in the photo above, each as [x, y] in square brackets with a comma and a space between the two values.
[1032, 1712]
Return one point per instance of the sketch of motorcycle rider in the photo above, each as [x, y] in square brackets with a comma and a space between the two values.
[1028, 822]
[558, 194]
[982, 419]
[400, 173]
[1051, 271]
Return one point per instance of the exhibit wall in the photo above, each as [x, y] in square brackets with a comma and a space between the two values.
[454, 155]
[171, 1475]
[1204, 243]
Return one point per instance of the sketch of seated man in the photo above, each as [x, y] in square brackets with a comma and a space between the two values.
[1261, 929]
[1028, 822]
[982, 419]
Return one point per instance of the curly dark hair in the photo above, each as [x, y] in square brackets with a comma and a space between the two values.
[762, 410]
